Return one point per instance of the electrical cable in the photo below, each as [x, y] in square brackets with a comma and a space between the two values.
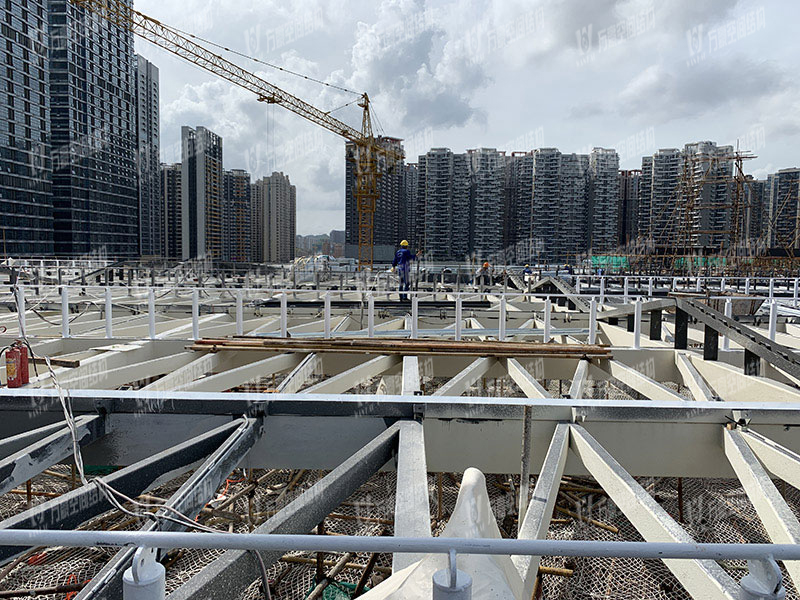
[257, 60]
[112, 495]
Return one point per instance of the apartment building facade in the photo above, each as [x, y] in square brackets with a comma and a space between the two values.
[202, 194]
[93, 128]
[274, 210]
[148, 142]
[26, 203]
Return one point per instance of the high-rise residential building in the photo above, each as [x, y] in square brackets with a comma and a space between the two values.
[519, 206]
[560, 205]
[274, 208]
[603, 210]
[337, 236]
[26, 207]
[93, 128]
[444, 192]
[659, 221]
[783, 209]
[708, 175]
[202, 194]
[628, 224]
[409, 212]
[151, 209]
[385, 225]
[545, 214]
[171, 202]
[572, 229]
[487, 201]
[236, 216]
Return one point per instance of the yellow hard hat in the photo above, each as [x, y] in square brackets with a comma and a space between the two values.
[527, 265]
[404, 243]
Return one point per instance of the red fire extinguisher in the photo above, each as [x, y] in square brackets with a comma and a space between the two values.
[17, 365]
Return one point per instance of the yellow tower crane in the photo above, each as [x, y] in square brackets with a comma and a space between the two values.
[367, 148]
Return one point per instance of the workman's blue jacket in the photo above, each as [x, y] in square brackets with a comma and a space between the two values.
[403, 258]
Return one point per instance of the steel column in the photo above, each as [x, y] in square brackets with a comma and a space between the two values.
[681, 329]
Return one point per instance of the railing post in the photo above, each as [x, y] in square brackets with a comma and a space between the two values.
[650, 287]
[625, 290]
[771, 288]
[151, 312]
[458, 317]
[592, 321]
[196, 314]
[239, 313]
[547, 304]
[371, 316]
[637, 324]
[796, 292]
[327, 315]
[64, 312]
[501, 335]
[284, 316]
[414, 316]
[747, 286]
[145, 579]
[109, 315]
[602, 290]
[450, 583]
[773, 319]
[726, 341]
[21, 311]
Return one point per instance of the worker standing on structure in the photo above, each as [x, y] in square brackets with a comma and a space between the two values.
[402, 262]
[484, 275]
[527, 274]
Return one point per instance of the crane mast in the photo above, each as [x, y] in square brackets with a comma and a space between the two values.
[181, 45]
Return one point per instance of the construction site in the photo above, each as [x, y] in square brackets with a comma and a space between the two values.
[638, 409]
[623, 428]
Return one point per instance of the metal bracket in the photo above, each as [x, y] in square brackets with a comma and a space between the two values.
[763, 582]
[578, 416]
[145, 579]
[741, 418]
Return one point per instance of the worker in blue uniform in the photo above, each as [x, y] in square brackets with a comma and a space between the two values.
[402, 262]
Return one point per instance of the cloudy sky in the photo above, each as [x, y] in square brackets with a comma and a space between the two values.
[634, 75]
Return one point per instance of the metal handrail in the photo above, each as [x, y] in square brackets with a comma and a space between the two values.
[384, 544]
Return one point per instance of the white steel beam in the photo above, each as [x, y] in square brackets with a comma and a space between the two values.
[779, 460]
[338, 384]
[702, 578]
[112, 379]
[412, 515]
[310, 365]
[640, 382]
[693, 380]
[240, 375]
[579, 380]
[474, 371]
[540, 508]
[186, 374]
[732, 384]
[526, 382]
[412, 383]
[776, 516]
